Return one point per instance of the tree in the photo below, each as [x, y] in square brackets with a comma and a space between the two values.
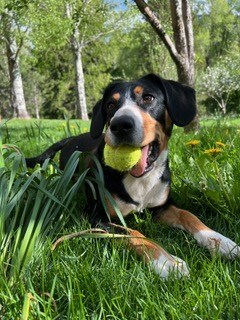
[222, 80]
[81, 24]
[77, 44]
[5, 110]
[181, 49]
[84, 33]
[143, 51]
[217, 33]
[9, 23]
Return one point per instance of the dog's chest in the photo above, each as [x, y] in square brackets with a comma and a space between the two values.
[148, 191]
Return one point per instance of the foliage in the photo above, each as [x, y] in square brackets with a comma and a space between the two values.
[119, 44]
[147, 55]
[222, 81]
[215, 168]
[4, 90]
[33, 206]
[216, 30]
[99, 278]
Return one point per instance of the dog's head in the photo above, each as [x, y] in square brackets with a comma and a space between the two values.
[142, 113]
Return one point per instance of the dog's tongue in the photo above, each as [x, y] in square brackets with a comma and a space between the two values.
[140, 167]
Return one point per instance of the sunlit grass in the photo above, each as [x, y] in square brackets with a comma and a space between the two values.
[100, 278]
[32, 136]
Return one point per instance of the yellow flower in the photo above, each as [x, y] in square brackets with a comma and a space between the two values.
[193, 143]
[213, 151]
[220, 144]
[85, 129]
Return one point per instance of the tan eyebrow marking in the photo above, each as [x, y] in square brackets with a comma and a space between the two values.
[138, 90]
[116, 96]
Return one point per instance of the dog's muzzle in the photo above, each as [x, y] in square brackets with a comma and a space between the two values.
[128, 129]
[125, 129]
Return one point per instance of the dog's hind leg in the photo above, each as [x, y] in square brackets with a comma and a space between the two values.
[206, 237]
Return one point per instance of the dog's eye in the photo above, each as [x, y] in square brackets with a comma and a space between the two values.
[111, 106]
[147, 98]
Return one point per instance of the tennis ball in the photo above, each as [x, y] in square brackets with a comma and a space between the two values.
[122, 158]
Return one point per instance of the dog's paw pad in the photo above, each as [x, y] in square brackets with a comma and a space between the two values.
[164, 266]
[217, 243]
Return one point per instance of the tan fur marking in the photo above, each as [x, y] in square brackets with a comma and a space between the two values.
[145, 248]
[182, 219]
[111, 210]
[106, 138]
[138, 90]
[116, 96]
[150, 128]
[164, 143]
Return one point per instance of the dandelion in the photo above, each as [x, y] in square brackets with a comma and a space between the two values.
[85, 129]
[213, 151]
[220, 144]
[193, 143]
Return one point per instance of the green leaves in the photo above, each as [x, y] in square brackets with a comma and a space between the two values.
[32, 207]
[208, 171]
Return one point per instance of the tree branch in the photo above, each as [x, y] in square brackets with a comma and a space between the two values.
[117, 25]
[178, 27]
[157, 26]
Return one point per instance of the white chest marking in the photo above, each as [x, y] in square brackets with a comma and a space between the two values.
[149, 191]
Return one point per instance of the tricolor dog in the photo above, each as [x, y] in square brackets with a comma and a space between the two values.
[142, 114]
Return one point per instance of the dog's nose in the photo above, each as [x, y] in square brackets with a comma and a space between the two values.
[123, 125]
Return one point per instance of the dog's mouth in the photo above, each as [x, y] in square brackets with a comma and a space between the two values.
[149, 155]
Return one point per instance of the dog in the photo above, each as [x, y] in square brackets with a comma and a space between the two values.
[142, 114]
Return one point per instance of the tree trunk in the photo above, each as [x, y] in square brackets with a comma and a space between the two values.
[16, 85]
[223, 106]
[36, 105]
[79, 73]
[182, 49]
[80, 87]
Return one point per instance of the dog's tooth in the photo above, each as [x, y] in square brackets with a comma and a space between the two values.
[149, 151]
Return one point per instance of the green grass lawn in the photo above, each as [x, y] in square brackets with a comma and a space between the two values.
[89, 278]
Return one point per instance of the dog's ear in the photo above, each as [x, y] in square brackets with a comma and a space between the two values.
[181, 102]
[98, 120]
[180, 99]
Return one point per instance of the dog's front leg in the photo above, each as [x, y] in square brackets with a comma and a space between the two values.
[162, 262]
[212, 240]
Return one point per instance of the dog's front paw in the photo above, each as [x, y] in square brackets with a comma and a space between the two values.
[217, 243]
[167, 265]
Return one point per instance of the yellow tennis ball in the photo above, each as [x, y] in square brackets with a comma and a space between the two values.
[121, 158]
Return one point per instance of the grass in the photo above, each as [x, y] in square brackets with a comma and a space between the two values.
[99, 278]
[33, 136]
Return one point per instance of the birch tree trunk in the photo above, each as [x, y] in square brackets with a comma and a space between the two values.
[79, 73]
[17, 98]
[36, 104]
[181, 49]
[80, 81]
